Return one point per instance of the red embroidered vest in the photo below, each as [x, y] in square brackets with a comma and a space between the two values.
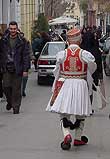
[73, 66]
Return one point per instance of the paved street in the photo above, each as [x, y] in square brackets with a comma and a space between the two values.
[35, 134]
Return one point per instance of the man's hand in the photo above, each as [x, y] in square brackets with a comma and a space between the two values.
[100, 81]
[25, 74]
[32, 61]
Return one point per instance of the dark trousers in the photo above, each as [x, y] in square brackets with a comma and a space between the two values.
[1, 85]
[91, 98]
[12, 89]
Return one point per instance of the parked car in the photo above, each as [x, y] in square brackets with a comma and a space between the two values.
[102, 41]
[106, 58]
[47, 60]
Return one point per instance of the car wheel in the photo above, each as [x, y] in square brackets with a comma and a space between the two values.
[39, 80]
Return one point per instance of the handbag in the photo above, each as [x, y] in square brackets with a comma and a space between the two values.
[99, 100]
[108, 60]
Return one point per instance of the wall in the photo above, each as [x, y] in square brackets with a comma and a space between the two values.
[4, 14]
[27, 16]
[15, 13]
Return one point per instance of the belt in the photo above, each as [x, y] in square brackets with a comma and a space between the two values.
[74, 76]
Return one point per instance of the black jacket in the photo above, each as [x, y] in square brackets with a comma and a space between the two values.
[91, 44]
[21, 54]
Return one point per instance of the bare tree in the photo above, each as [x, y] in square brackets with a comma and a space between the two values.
[54, 8]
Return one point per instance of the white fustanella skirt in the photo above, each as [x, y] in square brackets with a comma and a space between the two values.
[73, 98]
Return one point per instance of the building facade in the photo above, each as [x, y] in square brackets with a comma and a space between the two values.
[28, 15]
[102, 16]
[15, 12]
[4, 14]
[25, 12]
[40, 5]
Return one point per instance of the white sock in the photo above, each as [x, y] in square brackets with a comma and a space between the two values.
[79, 131]
[64, 130]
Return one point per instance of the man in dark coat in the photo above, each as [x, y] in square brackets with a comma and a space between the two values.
[15, 62]
[90, 43]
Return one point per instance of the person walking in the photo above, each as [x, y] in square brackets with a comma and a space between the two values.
[25, 78]
[63, 35]
[1, 87]
[73, 76]
[91, 44]
[36, 48]
[1, 77]
[15, 59]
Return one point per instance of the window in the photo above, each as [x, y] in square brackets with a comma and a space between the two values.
[53, 48]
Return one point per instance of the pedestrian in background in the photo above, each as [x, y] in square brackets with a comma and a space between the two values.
[90, 42]
[44, 38]
[87, 39]
[25, 78]
[15, 59]
[98, 74]
[63, 35]
[36, 48]
[73, 71]
[1, 77]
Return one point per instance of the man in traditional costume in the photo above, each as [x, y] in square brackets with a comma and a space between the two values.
[72, 88]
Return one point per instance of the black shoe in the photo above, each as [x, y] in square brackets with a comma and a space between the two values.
[92, 112]
[15, 110]
[8, 107]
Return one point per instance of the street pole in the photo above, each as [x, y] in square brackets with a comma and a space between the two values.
[51, 8]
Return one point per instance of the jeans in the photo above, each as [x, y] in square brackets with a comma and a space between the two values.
[1, 85]
[24, 83]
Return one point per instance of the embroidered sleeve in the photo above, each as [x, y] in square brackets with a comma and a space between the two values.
[90, 60]
[60, 56]
[87, 56]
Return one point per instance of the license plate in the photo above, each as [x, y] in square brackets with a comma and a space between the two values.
[43, 70]
[50, 71]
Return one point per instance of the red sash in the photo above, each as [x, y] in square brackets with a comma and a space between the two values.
[58, 86]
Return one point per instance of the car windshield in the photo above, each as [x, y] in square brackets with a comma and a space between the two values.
[53, 48]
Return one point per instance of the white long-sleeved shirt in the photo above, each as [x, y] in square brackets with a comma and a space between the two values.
[86, 56]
